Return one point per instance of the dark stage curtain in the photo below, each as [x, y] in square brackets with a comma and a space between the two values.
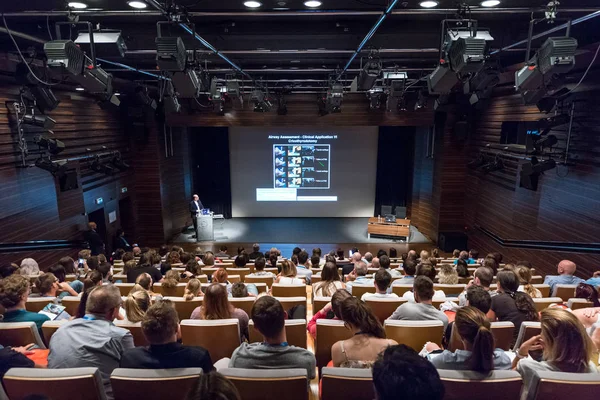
[394, 166]
[210, 158]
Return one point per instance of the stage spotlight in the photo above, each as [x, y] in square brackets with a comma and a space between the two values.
[547, 141]
[421, 100]
[43, 121]
[119, 163]
[170, 100]
[54, 146]
[64, 55]
[547, 124]
[467, 54]
[441, 80]
[531, 171]
[233, 88]
[45, 99]
[483, 82]
[496, 165]
[369, 74]
[170, 54]
[55, 168]
[261, 103]
[376, 96]
[187, 84]
[98, 166]
[107, 42]
[335, 96]
[142, 97]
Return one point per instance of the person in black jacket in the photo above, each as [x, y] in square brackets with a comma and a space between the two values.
[94, 240]
[121, 242]
[195, 207]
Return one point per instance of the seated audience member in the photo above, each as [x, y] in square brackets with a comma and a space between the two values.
[273, 352]
[146, 282]
[106, 270]
[455, 253]
[330, 281]
[60, 271]
[423, 256]
[401, 374]
[241, 260]
[136, 305]
[315, 262]
[173, 258]
[238, 290]
[511, 305]
[381, 252]
[525, 285]
[462, 269]
[29, 267]
[7, 270]
[330, 311]
[303, 268]
[171, 280]
[587, 292]
[410, 269]
[426, 269]
[476, 297]
[473, 255]
[483, 277]
[184, 258]
[255, 252]
[384, 262]
[128, 266]
[393, 253]
[144, 265]
[193, 289]
[422, 309]
[358, 276]
[191, 269]
[120, 242]
[160, 326]
[117, 255]
[209, 260]
[490, 263]
[93, 341]
[435, 252]
[566, 270]
[565, 344]
[464, 255]
[368, 340]
[288, 275]
[14, 292]
[91, 280]
[479, 354]
[222, 252]
[259, 268]
[213, 386]
[340, 254]
[16, 357]
[382, 284]
[221, 276]
[447, 275]
[216, 305]
[49, 286]
[375, 263]
[590, 318]
[594, 280]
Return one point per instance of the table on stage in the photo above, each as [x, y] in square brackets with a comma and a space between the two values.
[378, 226]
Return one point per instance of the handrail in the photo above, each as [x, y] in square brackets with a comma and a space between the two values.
[577, 247]
[36, 245]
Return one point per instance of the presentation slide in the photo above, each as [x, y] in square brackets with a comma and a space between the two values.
[303, 172]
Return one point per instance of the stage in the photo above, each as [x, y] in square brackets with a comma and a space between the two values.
[296, 230]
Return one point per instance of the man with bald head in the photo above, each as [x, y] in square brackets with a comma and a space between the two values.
[566, 270]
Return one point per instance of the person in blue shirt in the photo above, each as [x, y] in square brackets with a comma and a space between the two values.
[358, 276]
[465, 256]
[14, 292]
[595, 280]
[302, 268]
[566, 270]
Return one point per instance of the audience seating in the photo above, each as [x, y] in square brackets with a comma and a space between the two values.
[233, 279]
[383, 308]
[347, 384]
[185, 307]
[211, 270]
[55, 384]
[153, 384]
[37, 304]
[329, 331]
[279, 290]
[401, 289]
[565, 292]
[414, 333]
[125, 288]
[269, 384]
[450, 290]
[244, 303]
[265, 280]
[203, 278]
[544, 289]
[316, 271]
[316, 278]
[528, 330]
[319, 303]
[536, 279]
[49, 327]
[136, 331]
[119, 277]
[548, 385]
[289, 302]
[176, 291]
[359, 290]
[71, 304]
[471, 385]
[242, 272]
[220, 337]
[70, 277]
[295, 331]
[576, 304]
[272, 270]
[543, 303]
[17, 334]
[503, 334]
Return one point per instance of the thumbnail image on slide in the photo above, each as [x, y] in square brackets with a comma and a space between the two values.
[302, 167]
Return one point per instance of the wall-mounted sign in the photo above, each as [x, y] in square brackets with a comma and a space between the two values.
[124, 189]
[112, 217]
[99, 200]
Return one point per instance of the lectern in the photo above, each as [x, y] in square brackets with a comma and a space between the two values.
[205, 228]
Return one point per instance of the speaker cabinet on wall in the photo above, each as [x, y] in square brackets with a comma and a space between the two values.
[448, 241]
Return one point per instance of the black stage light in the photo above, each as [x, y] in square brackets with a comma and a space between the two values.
[421, 100]
[142, 97]
[261, 103]
[531, 171]
[547, 141]
[170, 100]
[441, 80]
[43, 121]
[547, 124]
[170, 54]
[335, 96]
[55, 168]
[368, 75]
[467, 55]
[102, 167]
[119, 163]
[44, 98]
[54, 146]
[376, 97]
[233, 88]
[107, 42]
[65, 54]
[187, 84]
[496, 165]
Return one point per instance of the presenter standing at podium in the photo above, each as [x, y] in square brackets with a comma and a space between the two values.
[195, 209]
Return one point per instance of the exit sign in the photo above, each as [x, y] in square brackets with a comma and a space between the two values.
[124, 189]
[99, 200]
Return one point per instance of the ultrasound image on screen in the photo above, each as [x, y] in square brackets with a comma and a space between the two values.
[303, 167]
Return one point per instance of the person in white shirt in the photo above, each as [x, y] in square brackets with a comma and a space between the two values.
[358, 276]
[426, 269]
[384, 262]
[382, 282]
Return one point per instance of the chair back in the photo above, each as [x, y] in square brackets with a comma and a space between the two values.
[329, 331]
[55, 384]
[548, 385]
[17, 334]
[280, 290]
[565, 292]
[544, 289]
[450, 290]
[383, 308]
[269, 384]
[316, 278]
[502, 331]
[220, 337]
[543, 303]
[576, 304]
[347, 384]
[185, 307]
[414, 334]
[536, 279]
[319, 303]
[267, 280]
[50, 327]
[119, 277]
[211, 270]
[289, 302]
[295, 332]
[125, 288]
[136, 331]
[401, 289]
[37, 304]
[359, 290]
[153, 384]
[242, 272]
[233, 279]
[202, 278]
[528, 330]
[244, 303]
[71, 304]
[471, 385]
[176, 291]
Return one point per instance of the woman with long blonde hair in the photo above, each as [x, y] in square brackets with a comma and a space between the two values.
[216, 305]
[330, 281]
[288, 274]
[136, 305]
[565, 343]
[192, 289]
[524, 275]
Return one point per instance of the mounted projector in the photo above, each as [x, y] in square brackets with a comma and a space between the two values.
[64, 55]
[369, 74]
[441, 80]
[170, 54]
[108, 43]
[187, 84]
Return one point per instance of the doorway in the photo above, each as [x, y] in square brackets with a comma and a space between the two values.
[98, 217]
[127, 218]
